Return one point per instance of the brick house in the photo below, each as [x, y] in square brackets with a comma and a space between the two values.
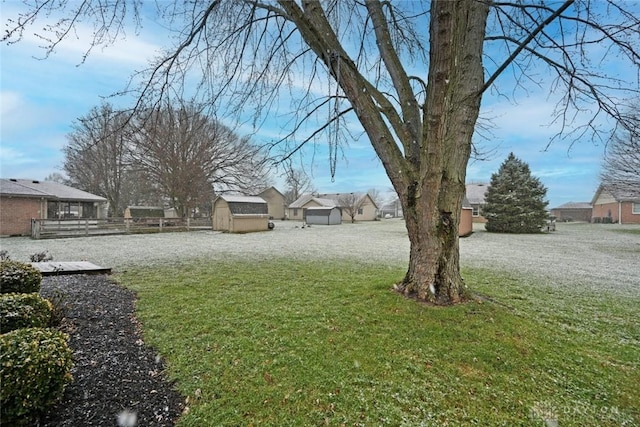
[22, 200]
[573, 211]
[614, 205]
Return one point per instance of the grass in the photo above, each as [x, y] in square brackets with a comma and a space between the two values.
[626, 230]
[285, 342]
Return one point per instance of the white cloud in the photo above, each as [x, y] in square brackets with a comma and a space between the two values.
[10, 102]
[14, 157]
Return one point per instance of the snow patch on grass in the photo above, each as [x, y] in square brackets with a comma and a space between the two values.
[596, 257]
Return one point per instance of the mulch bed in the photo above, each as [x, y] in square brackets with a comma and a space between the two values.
[117, 379]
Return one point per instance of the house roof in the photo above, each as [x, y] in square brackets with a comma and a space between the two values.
[622, 194]
[303, 200]
[266, 190]
[476, 193]
[45, 189]
[574, 205]
[337, 196]
[329, 200]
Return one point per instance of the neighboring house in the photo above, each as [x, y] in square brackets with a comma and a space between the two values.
[298, 209]
[276, 204]
[573, 211]
[611, 205]
[22, 200]
[240, 214]
[324, 215]
[365, 209]
[475, 194]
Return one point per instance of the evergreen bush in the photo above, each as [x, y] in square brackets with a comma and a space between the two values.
[24, 311]
[36, 365]
[514, 202]
[19, 277]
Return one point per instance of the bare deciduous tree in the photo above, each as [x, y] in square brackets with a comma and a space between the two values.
[97, 155]
[189, 155]
[412, 73]
[298, 183]
[352, 203]
[376, 195]
[621, 165]
[57, 177]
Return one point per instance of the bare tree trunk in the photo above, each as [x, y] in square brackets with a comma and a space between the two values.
[429, 173]
[432, 199]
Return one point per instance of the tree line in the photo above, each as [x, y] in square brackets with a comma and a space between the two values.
[176, 156]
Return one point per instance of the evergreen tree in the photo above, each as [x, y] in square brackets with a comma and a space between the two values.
[515, 200]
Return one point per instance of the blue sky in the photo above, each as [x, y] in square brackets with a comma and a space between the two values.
[40, 99]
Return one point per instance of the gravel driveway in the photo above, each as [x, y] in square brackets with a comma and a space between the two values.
[596, 256]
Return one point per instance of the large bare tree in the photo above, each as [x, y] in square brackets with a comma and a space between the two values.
[97, 155]
[412, 73]
[621, 165]
[189, 155]
[297, 182]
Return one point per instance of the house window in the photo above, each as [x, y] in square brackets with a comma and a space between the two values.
[359, 211]
[295, 212]
[475, 210]
[71, 210]
[52, 210]
[636, 208]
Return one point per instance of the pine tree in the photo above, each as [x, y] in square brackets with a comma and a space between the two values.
[515, 200]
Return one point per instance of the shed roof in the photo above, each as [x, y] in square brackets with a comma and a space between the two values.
[245, 205]
[321, 210]
[242, 199]
[46, 189]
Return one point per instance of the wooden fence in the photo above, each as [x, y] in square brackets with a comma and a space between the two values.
[58, 228]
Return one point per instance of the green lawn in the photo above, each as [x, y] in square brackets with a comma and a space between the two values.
[285, 342]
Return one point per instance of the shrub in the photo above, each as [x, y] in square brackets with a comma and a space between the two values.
[41, 257]
[24, 311]
[19, 277]
[59, 308]
[35, 368]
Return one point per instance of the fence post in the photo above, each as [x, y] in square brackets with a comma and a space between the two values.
[161, 223]
[86, 226]
[35, 229]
